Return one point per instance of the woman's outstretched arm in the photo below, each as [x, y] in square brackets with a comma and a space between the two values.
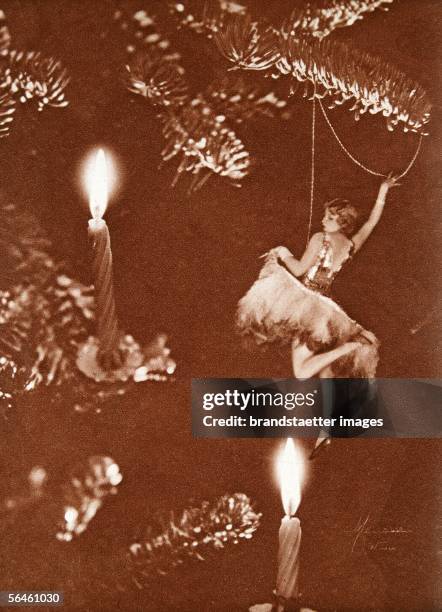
[298, 267]
[361, 236]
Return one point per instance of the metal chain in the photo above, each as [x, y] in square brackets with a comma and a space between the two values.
[312, 175]
[357, 162]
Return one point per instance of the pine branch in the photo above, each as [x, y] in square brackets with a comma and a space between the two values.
[75, 502]
[5, 37]
[197, 129]
[204, 143]
[30, 76]
[7, 110]
[89, 483]
[229, 521]
[204, 17]
[316, 19]
[45, 317]
[343, 73]
[44, 314]
[242, 101]
[248, 44]
[159, 80]
[27, 76]
[195, 133]
[319, 19]
[336, 70]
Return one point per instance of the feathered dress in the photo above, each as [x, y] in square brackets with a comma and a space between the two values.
[279, 308]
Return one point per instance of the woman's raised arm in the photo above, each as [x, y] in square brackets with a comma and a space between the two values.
[298, 267]
[361, 236]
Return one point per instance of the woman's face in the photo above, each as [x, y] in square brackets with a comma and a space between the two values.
[330, 221]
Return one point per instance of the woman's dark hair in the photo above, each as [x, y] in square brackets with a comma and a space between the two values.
[346, 213]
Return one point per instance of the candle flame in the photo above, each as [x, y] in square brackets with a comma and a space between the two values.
[97, 184]
[99, 176]
[290, 473]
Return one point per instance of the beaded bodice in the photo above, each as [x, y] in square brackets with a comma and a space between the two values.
[321, 274]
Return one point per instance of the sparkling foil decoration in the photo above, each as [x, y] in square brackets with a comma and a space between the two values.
[84, 493]
[27, 76]
[230, 520]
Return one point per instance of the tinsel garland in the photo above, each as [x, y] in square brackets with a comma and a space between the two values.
[27, 76]
[230, 520]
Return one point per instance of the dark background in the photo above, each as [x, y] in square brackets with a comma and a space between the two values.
[181, 264]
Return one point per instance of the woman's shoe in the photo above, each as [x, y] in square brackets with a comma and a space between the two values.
[321, 444]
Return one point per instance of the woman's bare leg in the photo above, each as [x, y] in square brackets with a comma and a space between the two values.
[307, 364]
[327, 404]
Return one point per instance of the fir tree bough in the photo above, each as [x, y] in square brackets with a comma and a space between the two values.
[27, 76]
[45, 317]
[230, 520]
[44, 313]
[198, 128]
[336, 70]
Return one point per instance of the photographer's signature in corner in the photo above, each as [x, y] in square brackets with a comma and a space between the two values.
[375, 539]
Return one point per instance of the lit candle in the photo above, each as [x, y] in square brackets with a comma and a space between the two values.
[97, 180]
[290, 471]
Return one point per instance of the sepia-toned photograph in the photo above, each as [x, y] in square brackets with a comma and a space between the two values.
[220, 329]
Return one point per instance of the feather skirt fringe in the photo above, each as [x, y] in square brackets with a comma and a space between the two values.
[279, 309]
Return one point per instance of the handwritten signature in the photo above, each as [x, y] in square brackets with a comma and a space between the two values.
[363, 531]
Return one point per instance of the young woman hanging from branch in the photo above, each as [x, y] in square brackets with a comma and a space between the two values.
[325, 341]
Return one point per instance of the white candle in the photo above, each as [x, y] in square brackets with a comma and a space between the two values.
[97, 180]
[288, 557]
[290, 469]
